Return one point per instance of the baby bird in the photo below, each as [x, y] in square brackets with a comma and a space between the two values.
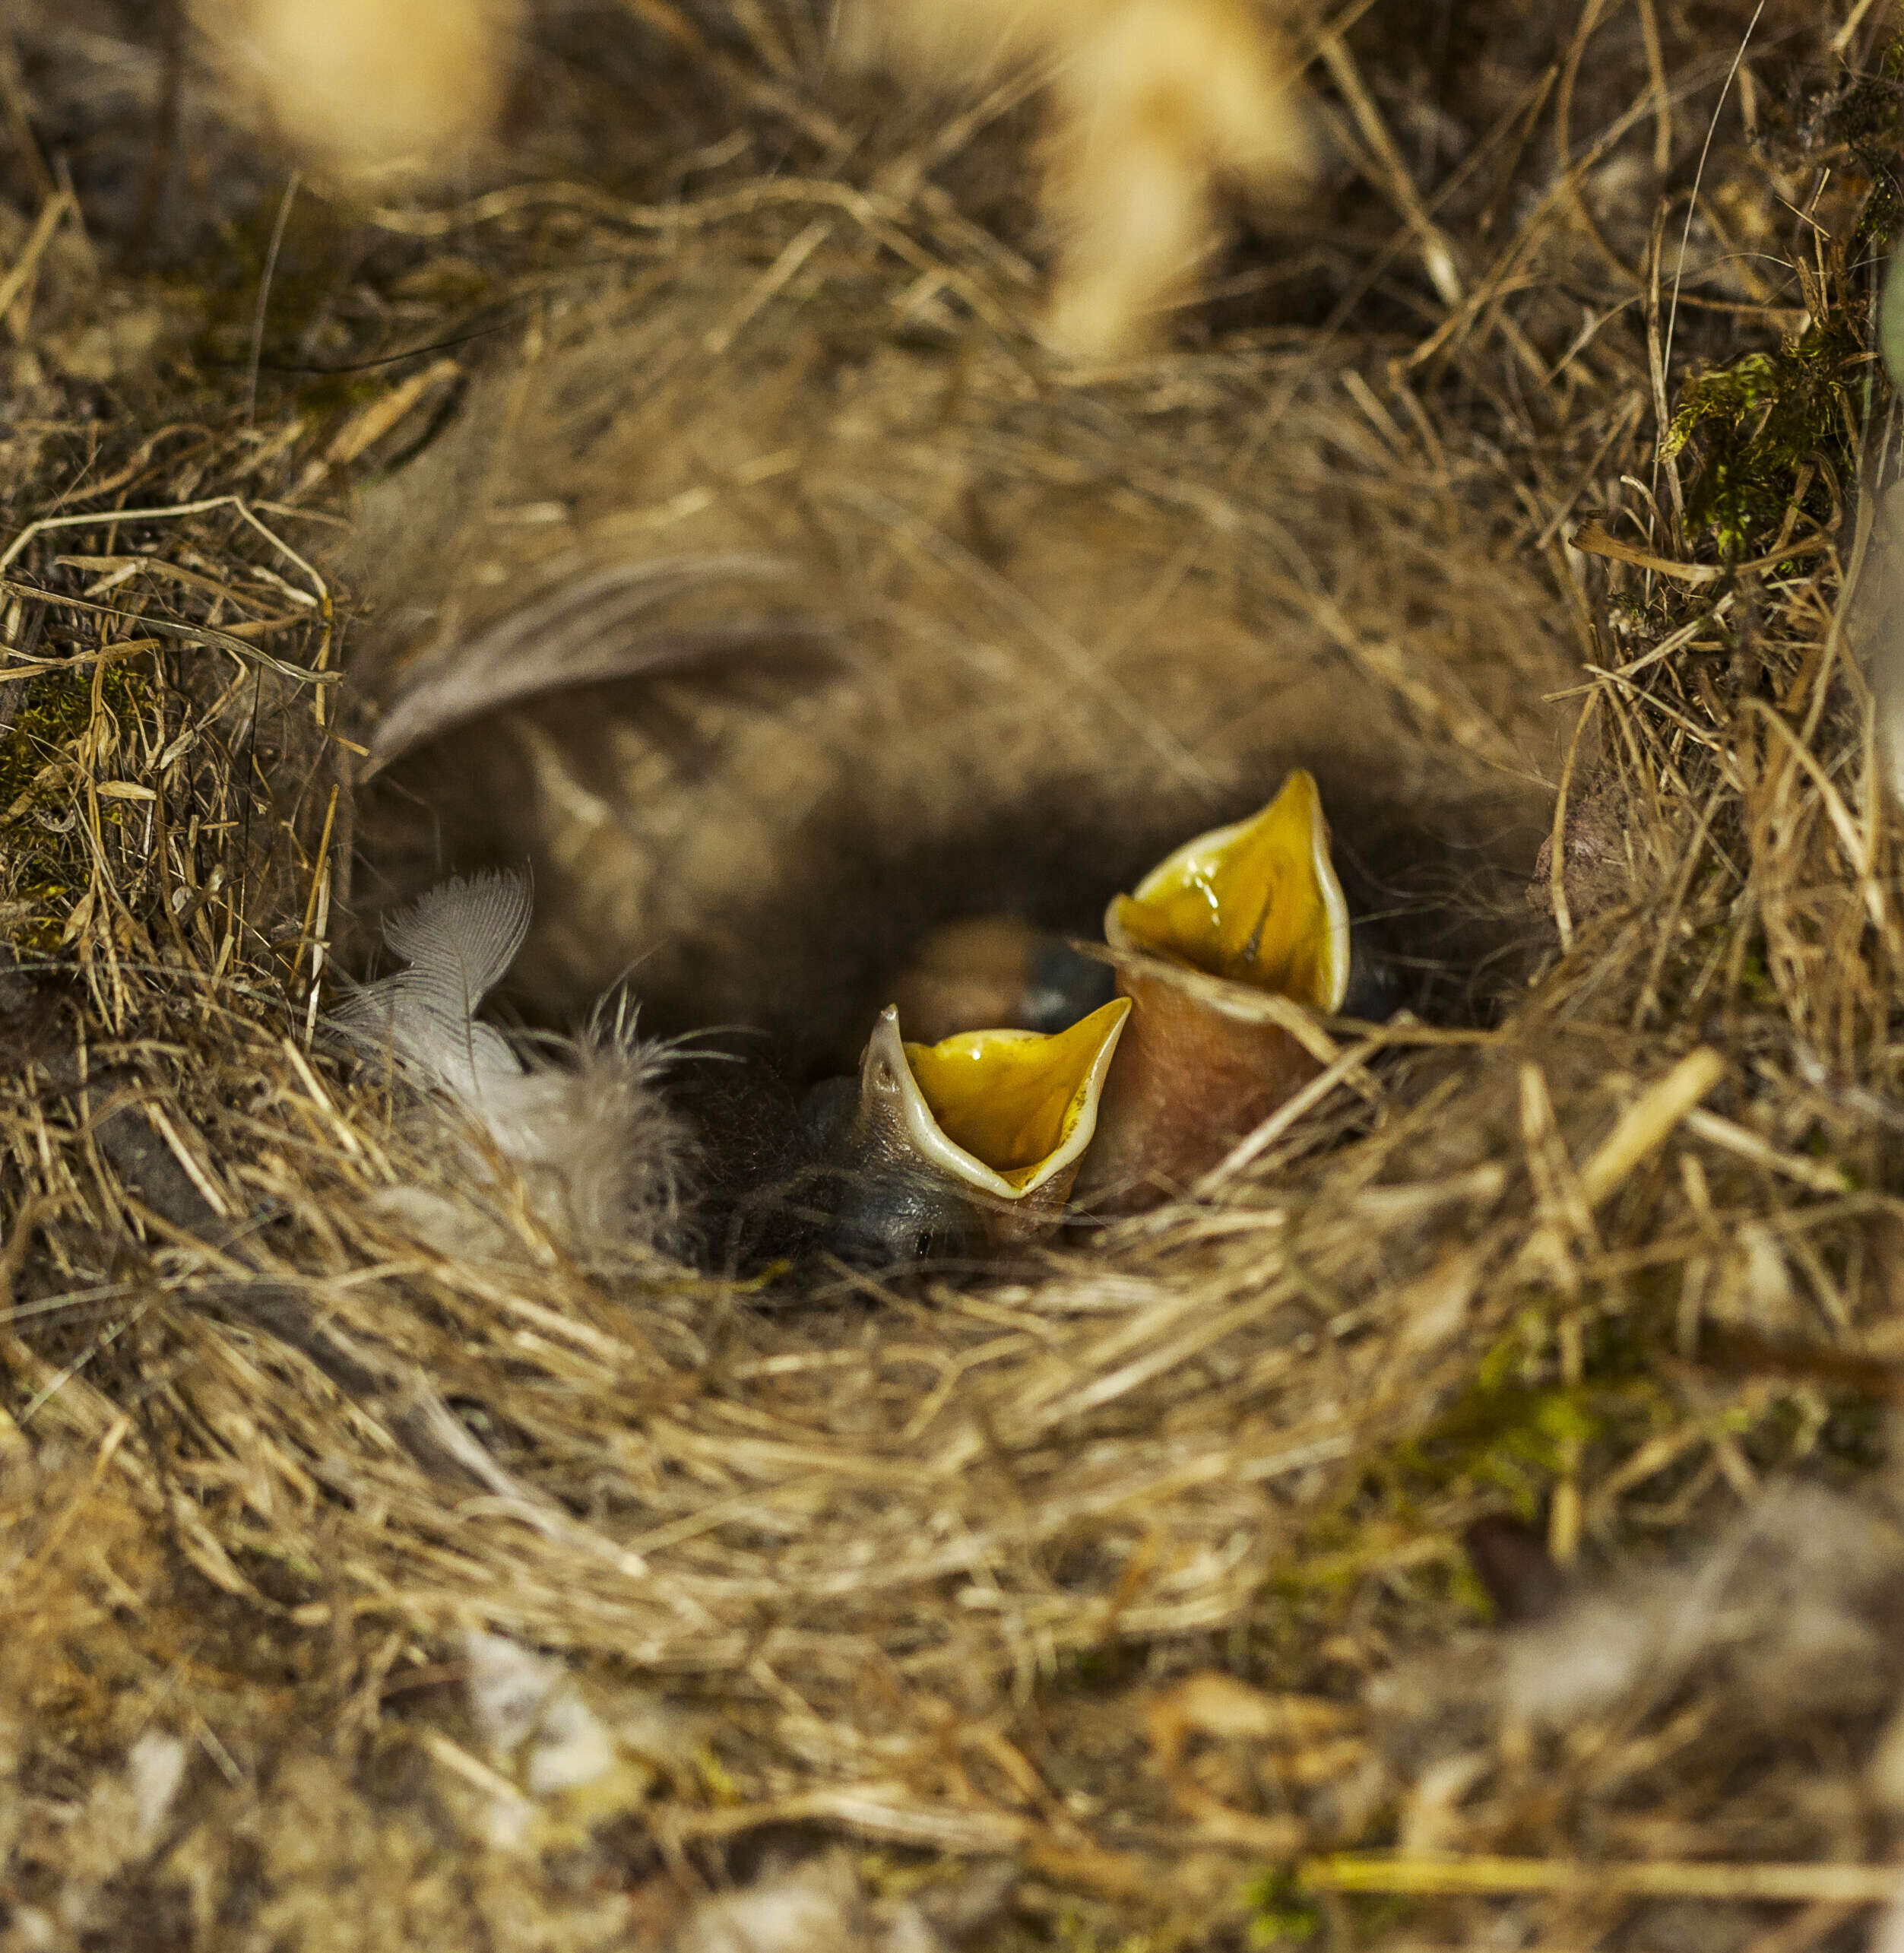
[975, 1143]
[1153, 106]
[962, 1148]
[1217, 943]
[796, 663]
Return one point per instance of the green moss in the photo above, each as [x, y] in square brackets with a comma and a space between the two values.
[1756, 425]
[1756, 986]
[46, 871]
[1510, 1437]
[55, 712]
[1855, 1435]
[1279, 1914]
[1512, 1440]
[1868, 121]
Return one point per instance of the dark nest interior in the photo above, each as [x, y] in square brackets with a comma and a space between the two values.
[1468, 1516]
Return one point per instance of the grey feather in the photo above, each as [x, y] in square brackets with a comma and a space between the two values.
[457, 942]
[602, 1153]
[591, 628]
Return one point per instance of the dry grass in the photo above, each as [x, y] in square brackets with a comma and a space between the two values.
[952, 1573]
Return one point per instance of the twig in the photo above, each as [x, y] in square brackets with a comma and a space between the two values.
[51, 212]
[205, 634]
[264, 297]
[1850, 1885]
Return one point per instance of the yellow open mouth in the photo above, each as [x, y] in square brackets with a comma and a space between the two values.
[1257, 903]
[1010, 1110]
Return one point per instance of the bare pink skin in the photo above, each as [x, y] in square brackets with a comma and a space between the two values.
[1191, 1078]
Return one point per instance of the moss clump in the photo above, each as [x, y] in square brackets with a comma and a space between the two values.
[1771, 431]
[1281, 1913]
[45, 859]
[1516, 1433]
[55, 710]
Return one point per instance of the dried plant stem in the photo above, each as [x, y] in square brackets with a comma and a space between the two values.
[1847, 1884]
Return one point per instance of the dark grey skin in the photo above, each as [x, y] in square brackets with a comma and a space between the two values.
[1375, 986]
[1064, 985]
[881, 1209]
[833, 1179]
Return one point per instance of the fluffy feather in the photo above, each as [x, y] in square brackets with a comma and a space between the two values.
[1788, 1611]
[601, 1153]
[818, 1906]
[457, 944]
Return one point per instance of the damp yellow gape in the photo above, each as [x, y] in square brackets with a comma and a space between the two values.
[1257, 903]
[1023, 1104]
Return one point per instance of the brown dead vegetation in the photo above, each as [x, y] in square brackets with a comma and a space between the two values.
[1118, 1599]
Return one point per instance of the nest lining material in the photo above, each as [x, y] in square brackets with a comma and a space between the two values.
[917, 1567]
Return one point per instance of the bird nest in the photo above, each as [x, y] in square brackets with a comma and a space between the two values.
[369, 1581]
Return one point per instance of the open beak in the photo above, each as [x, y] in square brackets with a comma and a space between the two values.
[981, 1134]
[1009, 1112]
[1218, 941]
[1257, 904]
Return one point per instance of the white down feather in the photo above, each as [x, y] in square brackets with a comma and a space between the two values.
[600, 1153]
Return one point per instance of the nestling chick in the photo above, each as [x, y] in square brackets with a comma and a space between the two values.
[1153, 106]
[1218, 942]
[959, 1148]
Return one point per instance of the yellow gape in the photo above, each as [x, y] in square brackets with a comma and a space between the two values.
[1021, 1105]
[1257, 903]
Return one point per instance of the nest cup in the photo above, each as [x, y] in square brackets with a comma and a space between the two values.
[775, 607]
